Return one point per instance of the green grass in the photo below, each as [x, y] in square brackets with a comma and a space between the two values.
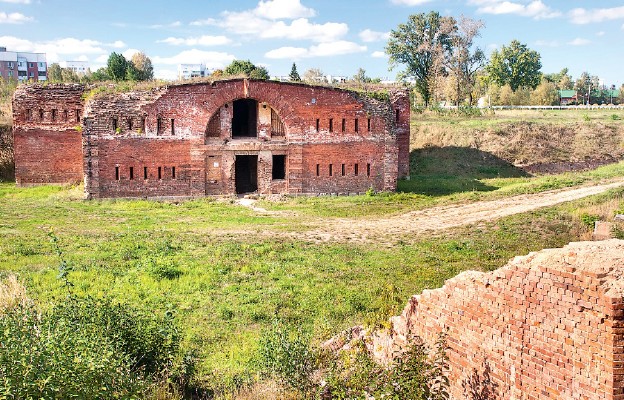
[217, 267]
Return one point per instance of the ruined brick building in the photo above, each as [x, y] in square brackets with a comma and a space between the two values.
[226, 137]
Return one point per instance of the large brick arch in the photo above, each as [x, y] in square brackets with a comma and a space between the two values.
[218, 108]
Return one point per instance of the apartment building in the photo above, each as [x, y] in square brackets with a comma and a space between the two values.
[23, 66]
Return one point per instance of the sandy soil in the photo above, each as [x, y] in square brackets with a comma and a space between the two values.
[433, 220]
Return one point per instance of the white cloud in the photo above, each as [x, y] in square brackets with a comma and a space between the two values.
[205, 40]
[15, 1]
[174, 24]
[129, 53]
[579, 42]
[379, 54]
[368, 36]
[212, 59]
[328, 49]
[601, 33]
[102, 59]
[535, 9]
[409, 2]
[267, 21]
[117, 44]
[582, 16]
[547, 43]
[283, 9]
[14, 18]
[166, 74]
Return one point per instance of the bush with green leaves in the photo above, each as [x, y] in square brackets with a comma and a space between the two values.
[84, 348]
[285, 354]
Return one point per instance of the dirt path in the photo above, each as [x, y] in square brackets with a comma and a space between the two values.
[439, 218]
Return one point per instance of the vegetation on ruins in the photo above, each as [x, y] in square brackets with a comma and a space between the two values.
[246, 68]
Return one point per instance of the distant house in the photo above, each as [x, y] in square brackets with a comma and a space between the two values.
[78, 67]
[567, 97]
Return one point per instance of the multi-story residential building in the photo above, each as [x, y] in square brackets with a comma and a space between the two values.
[188, 71]
[23, 66]
[78, 67]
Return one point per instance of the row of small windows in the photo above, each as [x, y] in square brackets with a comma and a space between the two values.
[343, 170]
[132, 173]
[343, 125]
[160, 125]
[54, 115]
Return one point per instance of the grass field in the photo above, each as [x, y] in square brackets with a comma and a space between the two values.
[225, 275]
[215, 265]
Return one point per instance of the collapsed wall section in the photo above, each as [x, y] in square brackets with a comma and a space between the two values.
[47, 125]
[547, 325]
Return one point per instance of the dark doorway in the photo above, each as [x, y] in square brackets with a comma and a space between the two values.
[244, 120]
[246, 170]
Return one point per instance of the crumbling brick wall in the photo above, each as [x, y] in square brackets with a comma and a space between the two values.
[335, 141]
[47, 139]
[549, 325]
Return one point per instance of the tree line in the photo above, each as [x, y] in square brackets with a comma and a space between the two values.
[442, 63]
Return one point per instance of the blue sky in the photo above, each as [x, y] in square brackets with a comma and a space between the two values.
[336, 36]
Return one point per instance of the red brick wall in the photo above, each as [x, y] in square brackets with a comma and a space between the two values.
[46, 128]
[548, 325]
[44, 156]
[128, 123]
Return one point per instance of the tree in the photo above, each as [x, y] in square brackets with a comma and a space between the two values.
[421, 45]
[463, 63]
[54, 73]
[117, 66]
[294, 75]
[545, 94]
[361, 77]
[314, 75]
[621, 95]
[247, 68]
[100, 75]
[515, 65]
[143, 69]
[69, 75]
[585, 85]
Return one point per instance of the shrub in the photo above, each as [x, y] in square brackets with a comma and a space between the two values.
[84, 348]
[285, 355]
[589, 220]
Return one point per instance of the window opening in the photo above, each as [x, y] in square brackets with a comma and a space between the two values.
[29, 115]
[65, 115]
[77, 115]
[158, 126]
[331, 125]
[277, 126]
[357, 127]
[41, 114]
[279, 167]
[129, 124]
[331, 170]
[356, 170]
[397, 115]
[144, 172]
[172, 126]
[344, 125]
[343, 170]
[53, 115]
[318, 125]
[131, 173]
[143, 124]
[159, 172]
[172, 172]
[318, 169]
[369, 125]
[116, 173]
[368, 170]
[114, 124]
[245, 118]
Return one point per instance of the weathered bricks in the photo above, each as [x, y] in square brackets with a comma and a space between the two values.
[547, 325]
[329, 140]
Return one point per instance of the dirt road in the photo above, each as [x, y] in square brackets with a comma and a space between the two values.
[439, 218]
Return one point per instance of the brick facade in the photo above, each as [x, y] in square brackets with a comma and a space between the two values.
[549, 325]
[225, 137]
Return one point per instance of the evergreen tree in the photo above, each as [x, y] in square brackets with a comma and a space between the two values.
[294, 75]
